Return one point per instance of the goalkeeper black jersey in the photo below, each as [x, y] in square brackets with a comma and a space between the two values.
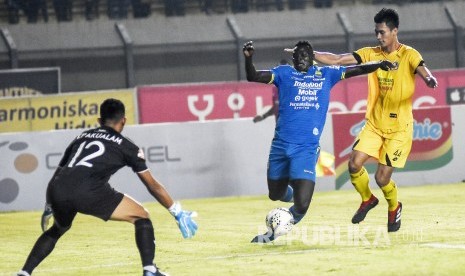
[96, 154]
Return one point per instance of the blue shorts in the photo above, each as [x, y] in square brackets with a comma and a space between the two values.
[292, 161]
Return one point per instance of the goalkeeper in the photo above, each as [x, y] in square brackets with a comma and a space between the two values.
[303, 91]
[80, 185]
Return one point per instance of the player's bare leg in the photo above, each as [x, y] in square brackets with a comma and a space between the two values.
[383, 175]
[129, 210]
[389, 188]
[280, 190]
[303, 193]
[360, 179]
[277, 190]
[132, 211]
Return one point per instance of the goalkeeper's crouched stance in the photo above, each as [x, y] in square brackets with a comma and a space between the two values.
[80, 186]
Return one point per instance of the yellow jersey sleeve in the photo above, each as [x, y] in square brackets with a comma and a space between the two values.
[415, 59]
[366, 53]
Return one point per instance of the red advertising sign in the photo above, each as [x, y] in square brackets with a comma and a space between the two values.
[432, 140]
[227, 100]
[200, 102]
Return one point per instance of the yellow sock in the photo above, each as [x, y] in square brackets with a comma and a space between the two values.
[390, 193]
[360, 181]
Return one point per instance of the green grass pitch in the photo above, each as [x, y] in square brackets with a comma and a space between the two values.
[431, 240]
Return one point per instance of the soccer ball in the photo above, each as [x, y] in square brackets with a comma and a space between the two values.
[279, 221]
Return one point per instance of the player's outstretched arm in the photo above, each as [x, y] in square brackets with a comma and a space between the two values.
[366, 68]
[335, 59]
[156, 189]
[186, 224]
[427, 77]
[251, 73]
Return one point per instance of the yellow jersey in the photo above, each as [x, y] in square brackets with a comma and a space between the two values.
[390, 93]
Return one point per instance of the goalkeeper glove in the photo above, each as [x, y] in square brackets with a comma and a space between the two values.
[46, 215]
[186, 224]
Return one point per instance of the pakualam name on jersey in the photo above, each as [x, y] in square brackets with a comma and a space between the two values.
[105, 136]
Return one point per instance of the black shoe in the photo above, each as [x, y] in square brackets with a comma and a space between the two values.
[394, 218]
[364, 208]
[265, 238]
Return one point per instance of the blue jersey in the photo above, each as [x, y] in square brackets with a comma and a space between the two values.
[303, 101]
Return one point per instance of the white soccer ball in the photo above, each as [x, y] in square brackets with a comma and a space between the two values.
[279, 221]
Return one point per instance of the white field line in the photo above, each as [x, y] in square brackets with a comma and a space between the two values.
[89, 267]
[261, 254]
[445, 245]
[74, 268]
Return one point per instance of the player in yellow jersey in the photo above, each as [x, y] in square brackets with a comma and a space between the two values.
[388, 132]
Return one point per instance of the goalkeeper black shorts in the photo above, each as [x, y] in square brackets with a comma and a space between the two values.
[67, 199]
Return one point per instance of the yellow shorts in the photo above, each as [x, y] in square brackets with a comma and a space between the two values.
[391, 149]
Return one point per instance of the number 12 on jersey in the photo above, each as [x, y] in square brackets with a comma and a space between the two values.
[85, 160]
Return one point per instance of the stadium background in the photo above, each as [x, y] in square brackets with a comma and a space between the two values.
[189, 69]
[189, 108]
[199, 47]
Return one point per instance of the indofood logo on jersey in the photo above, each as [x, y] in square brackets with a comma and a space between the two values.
[431, 149]
[307, 95]
[312, 85]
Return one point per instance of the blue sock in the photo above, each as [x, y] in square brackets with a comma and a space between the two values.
[289, 196]
[297, 216]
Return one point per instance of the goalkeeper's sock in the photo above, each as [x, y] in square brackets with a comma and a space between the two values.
[145, 240]
[42, 248]
[360, 181]
[390, 194]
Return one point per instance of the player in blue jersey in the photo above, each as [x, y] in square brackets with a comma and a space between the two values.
[303, 92]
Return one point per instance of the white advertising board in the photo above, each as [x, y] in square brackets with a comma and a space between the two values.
[193, 160]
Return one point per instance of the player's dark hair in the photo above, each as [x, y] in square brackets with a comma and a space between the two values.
[304, 44]
[388, 16]
[111, 110]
